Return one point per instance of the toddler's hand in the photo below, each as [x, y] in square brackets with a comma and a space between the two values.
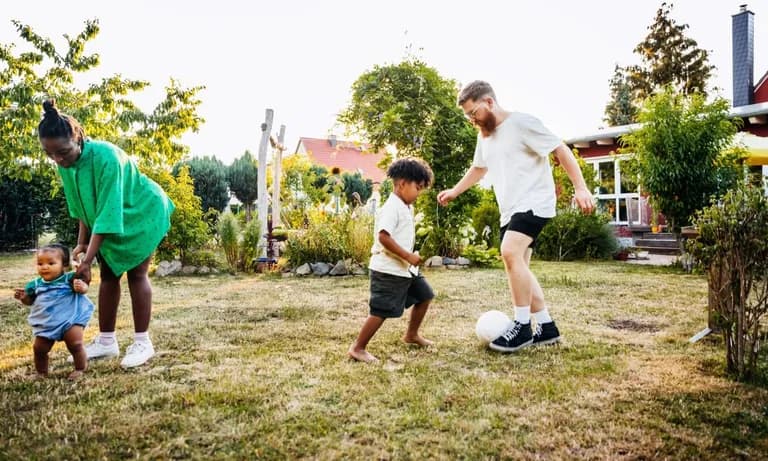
[79, 286]
[18, 293]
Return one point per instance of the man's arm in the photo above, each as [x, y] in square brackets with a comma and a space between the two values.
[582, 195]
[471, 177]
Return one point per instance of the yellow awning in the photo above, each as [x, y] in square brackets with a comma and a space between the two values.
[757, 146]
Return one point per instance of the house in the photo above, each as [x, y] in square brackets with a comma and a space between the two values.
[620, 194]
[347, 156]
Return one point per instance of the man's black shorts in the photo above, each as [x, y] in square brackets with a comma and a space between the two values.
[526, 223]
[391, 295]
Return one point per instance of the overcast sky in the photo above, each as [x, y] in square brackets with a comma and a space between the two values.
[300, 57]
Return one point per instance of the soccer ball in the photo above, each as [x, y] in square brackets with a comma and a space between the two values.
[491, 325]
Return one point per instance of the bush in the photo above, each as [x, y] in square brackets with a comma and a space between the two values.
[201, 258]
[482, 256]
[229, 234]
[732, 247]
[486, 215]
[572, 235]
[250, 248]
[330, 238]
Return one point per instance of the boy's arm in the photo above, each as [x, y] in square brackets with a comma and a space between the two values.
[393, 247]
[471, 177]
[582, 195]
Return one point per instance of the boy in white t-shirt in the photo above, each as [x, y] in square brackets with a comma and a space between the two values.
[396, 283]
[513, 152]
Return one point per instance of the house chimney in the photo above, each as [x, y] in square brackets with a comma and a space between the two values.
[743, 56]
[332, 140]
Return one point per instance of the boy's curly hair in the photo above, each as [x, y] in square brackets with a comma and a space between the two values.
[411, 169]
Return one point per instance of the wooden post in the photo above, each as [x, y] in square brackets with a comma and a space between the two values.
[278, 159]
[266, 128]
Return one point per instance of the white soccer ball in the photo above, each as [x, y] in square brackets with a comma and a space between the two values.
[491, 325]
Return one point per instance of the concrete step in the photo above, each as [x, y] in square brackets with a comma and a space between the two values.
[657, 243]
[659, 250]
[659, 236]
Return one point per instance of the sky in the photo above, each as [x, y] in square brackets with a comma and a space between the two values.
[551, 58]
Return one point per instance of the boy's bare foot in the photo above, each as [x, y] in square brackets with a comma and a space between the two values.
[418, 340]
[75, 375]
[361, 355]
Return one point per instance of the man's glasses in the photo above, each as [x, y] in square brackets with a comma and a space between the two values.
[471, 114]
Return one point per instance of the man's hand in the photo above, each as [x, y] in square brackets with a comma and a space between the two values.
[583, 200]
[80, 249]
[444, 197]
[79, 286]
[83, 272]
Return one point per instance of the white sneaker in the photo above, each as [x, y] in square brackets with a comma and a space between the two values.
[137, 354]
[96, 350]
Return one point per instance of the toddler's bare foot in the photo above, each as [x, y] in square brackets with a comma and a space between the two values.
[361, 355]
[75, 375]
[418, 340]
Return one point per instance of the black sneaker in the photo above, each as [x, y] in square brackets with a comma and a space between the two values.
[546, 333]
[517, 337]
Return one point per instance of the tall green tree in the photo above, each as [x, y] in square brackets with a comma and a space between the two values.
[357, 190]
[621, 109]
[680, 153]
[210, 177]
[411, 107]
[243, 177]
[669, 58]
[104, 108]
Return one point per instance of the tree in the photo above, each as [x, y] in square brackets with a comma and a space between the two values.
[669, 58]
[620, 110]
[210, 178]
[104, 109]
[243, 175]
[357, 190]
[680, 153]
[411, 107]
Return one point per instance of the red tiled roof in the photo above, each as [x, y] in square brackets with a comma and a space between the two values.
[347, 156]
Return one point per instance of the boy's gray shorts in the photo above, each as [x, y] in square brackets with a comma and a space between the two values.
[391, 295]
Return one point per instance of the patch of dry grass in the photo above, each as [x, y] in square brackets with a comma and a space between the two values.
[255, 367]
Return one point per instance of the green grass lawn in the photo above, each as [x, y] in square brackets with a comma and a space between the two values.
[255, 367]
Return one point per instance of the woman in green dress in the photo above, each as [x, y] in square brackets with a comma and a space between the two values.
[123, 216]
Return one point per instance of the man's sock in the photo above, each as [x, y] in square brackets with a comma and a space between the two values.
[542, 316]
[523, 314]
[107, 338]
[142, 337]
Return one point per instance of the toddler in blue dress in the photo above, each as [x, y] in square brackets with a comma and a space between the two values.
[60, 310]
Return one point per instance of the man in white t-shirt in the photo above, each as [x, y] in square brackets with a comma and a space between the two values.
[513, 152]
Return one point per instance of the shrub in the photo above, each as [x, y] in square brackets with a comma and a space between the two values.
[329, 238]
[732, 247]
[200, 258]
[486, 216]
[250, 247]
[229, 234]
[572, 235]
[482, 256]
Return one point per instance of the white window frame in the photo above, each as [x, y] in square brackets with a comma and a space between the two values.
[616, 197]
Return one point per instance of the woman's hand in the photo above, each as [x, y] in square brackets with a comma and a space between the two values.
[83, 272]
[80, 249]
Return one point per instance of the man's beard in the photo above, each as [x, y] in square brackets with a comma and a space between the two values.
[488, 125]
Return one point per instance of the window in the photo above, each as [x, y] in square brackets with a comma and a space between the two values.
[617, 194]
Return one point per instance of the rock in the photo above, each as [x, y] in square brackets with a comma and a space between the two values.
[304, 269]
[175, 267]
[357, 269]
[434, 261]
[188, 270]
[462, 261]
[321, 269]
[204, 270]
[449, 261]
[340, 268]
[163, 269]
